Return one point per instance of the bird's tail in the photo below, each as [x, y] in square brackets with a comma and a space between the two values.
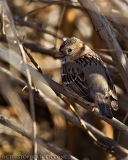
[103, 106]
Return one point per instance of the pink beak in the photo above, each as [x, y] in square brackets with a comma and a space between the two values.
[59, 54]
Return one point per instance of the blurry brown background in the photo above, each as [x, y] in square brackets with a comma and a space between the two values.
[41, 26]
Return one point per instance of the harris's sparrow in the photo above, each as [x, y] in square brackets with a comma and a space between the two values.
[84, 73]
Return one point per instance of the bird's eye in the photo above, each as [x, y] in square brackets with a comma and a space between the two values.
[69, 50]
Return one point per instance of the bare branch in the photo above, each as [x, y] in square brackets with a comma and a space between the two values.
[67, 3]
[38, 28]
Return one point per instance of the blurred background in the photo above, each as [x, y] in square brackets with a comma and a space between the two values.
[42, 25]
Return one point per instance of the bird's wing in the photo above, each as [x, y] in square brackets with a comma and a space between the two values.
[96, 59]
[74, 78]
[112, 91]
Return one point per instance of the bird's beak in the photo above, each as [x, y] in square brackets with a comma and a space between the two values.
[59, 54]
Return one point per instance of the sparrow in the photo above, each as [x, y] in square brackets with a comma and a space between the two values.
[85, 74]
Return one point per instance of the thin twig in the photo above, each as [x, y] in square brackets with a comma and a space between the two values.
[124, 120]
[59, 22]
[79, 119]
[57, 2]
[37, 27]
[34, 11]
[33, 61]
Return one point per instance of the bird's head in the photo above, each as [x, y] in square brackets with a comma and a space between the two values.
[70, 49]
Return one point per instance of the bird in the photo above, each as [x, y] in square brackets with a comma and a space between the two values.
[85, 74]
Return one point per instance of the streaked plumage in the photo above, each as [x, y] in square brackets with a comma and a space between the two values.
[84, 73]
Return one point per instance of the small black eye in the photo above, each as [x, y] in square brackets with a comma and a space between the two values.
[69, 50]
